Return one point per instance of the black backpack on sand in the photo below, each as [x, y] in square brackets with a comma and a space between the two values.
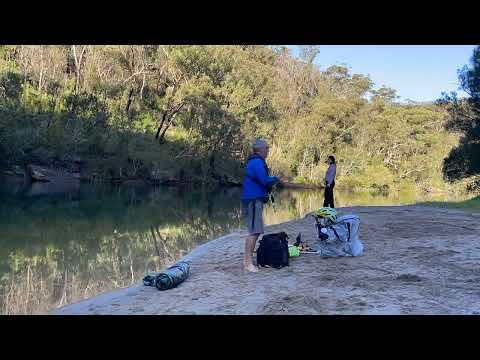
[273, 250]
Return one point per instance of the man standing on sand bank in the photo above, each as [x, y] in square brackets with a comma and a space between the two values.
[257, 184]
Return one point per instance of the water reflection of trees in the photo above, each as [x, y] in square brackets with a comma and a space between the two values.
[55, 251]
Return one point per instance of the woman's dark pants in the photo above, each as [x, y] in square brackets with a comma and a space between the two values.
[328, 202]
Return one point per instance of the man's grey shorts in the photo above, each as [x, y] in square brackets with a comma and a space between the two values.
[253, 213]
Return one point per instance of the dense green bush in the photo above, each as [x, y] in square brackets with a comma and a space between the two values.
[190, 112]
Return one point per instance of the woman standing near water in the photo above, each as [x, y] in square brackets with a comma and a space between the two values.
[330, 182]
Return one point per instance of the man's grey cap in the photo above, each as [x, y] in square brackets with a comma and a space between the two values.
[259, 144]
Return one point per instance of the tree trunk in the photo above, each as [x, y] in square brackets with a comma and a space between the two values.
[41, 71]
[76, 68]
[78, 58]
[212, 164]
[161, 125]
[211, 168]
[167, 126]
[167, 120]
[143, 85]
[127, 108]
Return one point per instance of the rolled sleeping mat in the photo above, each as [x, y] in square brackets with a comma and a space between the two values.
[169, 278]
[149, 280]
[173, 276]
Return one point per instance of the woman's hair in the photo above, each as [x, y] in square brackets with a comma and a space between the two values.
[331, 157]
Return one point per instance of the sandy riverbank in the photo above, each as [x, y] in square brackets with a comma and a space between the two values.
[417, 260]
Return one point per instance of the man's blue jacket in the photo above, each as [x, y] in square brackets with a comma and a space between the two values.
[257, 181]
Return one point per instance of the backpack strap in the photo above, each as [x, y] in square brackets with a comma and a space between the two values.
[335, 232]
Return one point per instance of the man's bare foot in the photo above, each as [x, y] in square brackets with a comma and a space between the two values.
[251, 268]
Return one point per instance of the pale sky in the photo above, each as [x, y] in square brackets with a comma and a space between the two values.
[417, 72]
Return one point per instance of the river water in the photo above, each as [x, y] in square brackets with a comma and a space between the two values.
[62, 245]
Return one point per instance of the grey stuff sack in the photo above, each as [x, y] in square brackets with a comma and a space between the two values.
[342, 239]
